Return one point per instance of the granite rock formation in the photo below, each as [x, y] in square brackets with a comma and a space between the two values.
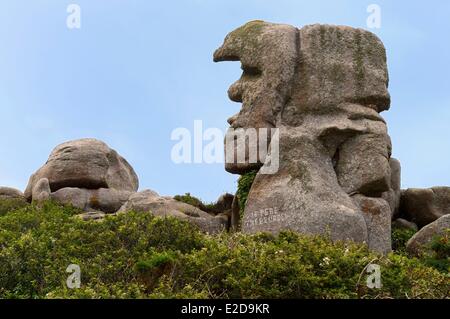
[323, 88]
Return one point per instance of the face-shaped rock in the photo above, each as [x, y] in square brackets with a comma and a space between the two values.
[290, 73]
[323, 88]
[267, 53]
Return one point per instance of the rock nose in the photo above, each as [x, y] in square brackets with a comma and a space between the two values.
[232, 119]
[218, 55]
[225, 53]
[235, 92]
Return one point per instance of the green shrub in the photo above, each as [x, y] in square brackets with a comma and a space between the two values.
[194, 201]
[11, 204]
[137, 255]
[244, 184]
[157, 260]
[189, 199]
[439, 257]
[400, 237]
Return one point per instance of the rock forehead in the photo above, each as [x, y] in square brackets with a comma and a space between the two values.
[85, 163]
[340, 64]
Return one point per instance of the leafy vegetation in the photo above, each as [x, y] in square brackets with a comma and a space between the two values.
[136, 255]
[438, 252]
[439, 257]
[194, 201]
[244, 184]
[400, 237]
[10, 204]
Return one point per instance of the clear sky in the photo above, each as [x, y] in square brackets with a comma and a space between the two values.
[138, 69]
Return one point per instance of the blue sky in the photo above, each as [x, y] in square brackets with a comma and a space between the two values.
[138, 69]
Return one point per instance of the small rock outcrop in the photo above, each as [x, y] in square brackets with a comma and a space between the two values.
[150, 201]
[85, 173]
[424, 206]
[10, 193]
[87, 164]
[418, 245]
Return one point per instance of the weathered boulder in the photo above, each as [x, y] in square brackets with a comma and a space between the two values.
[10, 193]
[377, 214]
[150, 201]
[41, 190]
[424, 206]
[404, 224]
[301, 196]
[394, 194]
[103, 199]
[322, 88]
[85, 163]
[418, 245]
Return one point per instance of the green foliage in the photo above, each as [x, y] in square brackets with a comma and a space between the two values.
[244, 184]
[137, 255]
[189, 199]
[439, 257]
[194, 201]
[10, 204]
[38, 243]
[155, 261]
[292, 266]
[400, 237]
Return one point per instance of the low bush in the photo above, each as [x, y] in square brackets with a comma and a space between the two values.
[10, 204]
[400, 237]
[136, 255]
[194, 201]
[439, 256]
[244, 184]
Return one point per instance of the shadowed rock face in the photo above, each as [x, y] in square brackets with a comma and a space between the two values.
[323, 87]
[424, 206]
